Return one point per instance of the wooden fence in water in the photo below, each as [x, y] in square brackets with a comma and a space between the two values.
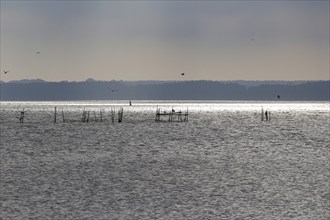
[114, 115]
[171, 116]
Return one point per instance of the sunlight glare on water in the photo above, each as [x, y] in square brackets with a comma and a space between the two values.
[224, 163]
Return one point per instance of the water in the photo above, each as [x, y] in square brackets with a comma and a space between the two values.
[225, 163]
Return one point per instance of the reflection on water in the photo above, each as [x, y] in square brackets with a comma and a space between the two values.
[225, 163]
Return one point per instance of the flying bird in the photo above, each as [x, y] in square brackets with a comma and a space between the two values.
[112, 90]
[5, 72]
[38, 52]
[278, 96]
[182, 74]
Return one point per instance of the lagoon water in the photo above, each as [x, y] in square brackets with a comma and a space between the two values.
[224, 163]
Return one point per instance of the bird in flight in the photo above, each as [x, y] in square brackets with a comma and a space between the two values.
[38, 52]
[112, 90]
[182, 74]
[5, 72]
[278, 96]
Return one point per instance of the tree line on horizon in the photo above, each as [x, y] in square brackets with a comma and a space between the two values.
[159, 90]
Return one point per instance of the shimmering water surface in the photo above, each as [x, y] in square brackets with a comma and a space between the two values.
[224, 163]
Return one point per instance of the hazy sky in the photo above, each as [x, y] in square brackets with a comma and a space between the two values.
[157, 40]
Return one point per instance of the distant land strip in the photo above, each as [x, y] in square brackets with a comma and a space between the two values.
[40, 90]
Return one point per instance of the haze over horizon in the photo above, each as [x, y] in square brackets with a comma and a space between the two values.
[158, 40]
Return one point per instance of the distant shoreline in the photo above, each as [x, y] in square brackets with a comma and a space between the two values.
[134, 82]
[39, 90]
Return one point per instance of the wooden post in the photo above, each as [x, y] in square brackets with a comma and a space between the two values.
[120, 115]
[83, 117]
[21, 118]
[112, 115]
[63, 116]
[55, 114]
[180, 117]
[157, 114]
[262, 113]
[101, 115]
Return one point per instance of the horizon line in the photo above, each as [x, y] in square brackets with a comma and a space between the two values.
[151, 80]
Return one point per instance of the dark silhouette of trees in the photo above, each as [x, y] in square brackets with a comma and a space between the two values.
[180, 90]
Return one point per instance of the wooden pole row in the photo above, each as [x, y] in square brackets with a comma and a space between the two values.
[86, 115]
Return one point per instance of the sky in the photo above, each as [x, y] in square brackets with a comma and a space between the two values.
[158, 40]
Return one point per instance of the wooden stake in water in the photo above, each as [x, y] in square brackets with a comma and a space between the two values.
[55, 114]
[63, 116]
[120, 115]
[186, 116]
[112, 115]
[21, 118]
[83, 118]
[157, 114]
